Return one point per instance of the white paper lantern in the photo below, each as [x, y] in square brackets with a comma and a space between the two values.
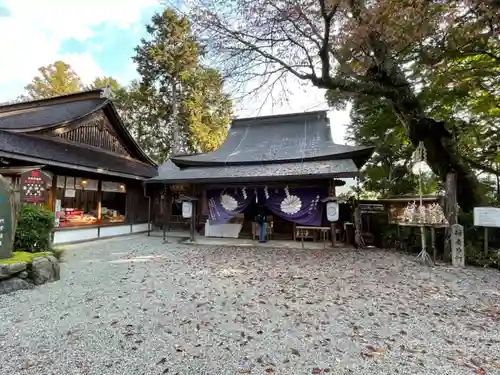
[332, 211]
[187, 209]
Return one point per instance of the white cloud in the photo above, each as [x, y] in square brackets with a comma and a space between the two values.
[32, 35]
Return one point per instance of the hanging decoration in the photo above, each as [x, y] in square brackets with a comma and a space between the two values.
[266, 192]
[256, 196]
[244, 193]
[420, 159]
[291, 204]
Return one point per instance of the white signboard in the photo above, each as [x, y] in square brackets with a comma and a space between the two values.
[69, 193]
[332, 211]
[187, 210]
[487, 217]
[57, 212]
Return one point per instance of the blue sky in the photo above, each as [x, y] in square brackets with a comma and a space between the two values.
[97, 38]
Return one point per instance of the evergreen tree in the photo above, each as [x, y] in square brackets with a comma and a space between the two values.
[169, 63]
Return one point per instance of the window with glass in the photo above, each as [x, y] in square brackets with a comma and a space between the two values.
[113, 202]
[78, 201]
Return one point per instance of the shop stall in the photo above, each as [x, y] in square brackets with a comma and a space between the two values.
[73, 154]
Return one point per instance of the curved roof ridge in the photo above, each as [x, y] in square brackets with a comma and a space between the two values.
[31, 119]
[93, 93]
[284, 138]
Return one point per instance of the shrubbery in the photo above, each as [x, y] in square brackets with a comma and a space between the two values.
[34, 228]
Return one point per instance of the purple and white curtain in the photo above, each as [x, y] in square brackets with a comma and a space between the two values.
[302, 206]
[223, 204]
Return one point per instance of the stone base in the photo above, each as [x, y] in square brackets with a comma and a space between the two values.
[45, 269]
[21, 275]
[14, 284]
[8, 270]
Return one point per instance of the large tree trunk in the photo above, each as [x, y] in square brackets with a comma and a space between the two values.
[442, 154]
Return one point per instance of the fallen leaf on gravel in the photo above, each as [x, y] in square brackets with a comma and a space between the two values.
[161, 361]
[375, 350]
[27, 364]
[178, 348]
[480, 371]
[295, 352]
[316, 371]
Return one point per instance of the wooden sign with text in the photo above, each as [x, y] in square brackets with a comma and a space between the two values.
[34, 186]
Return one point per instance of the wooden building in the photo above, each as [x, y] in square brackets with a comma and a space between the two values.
[285, 163]
[94, 168]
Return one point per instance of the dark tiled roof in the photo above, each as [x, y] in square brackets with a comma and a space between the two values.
[170, 173]
[50, 151]
[293, 137]
[47, 114]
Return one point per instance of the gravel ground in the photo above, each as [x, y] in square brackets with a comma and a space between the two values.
[136, 306]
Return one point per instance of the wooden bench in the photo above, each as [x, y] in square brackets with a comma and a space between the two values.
[314, 233]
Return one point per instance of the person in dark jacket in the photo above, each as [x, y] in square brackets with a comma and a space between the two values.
[261, 220]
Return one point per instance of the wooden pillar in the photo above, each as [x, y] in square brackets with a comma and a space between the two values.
[53, 194]
[149, 208]
[192, 226]
[433, 244]
[167, 208]
[166, 201]
[450, 208]
[358, 237]
[99, 200]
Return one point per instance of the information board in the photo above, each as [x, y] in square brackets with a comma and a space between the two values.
[487, 217]
[34, 186]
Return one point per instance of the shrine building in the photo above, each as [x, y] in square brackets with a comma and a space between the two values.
[73, 154]
[287, 165]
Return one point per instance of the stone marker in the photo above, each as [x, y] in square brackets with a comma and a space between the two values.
[7, 218]
[457, 246]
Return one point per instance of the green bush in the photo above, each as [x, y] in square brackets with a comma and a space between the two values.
[34, 228]
[475, 256]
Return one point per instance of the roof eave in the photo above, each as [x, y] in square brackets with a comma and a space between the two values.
[58, 124]
[362, 156]
[53, 163]
[245, 179]
[359, 156]
[96, 93]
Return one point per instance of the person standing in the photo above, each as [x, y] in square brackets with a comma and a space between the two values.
[261, 220]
